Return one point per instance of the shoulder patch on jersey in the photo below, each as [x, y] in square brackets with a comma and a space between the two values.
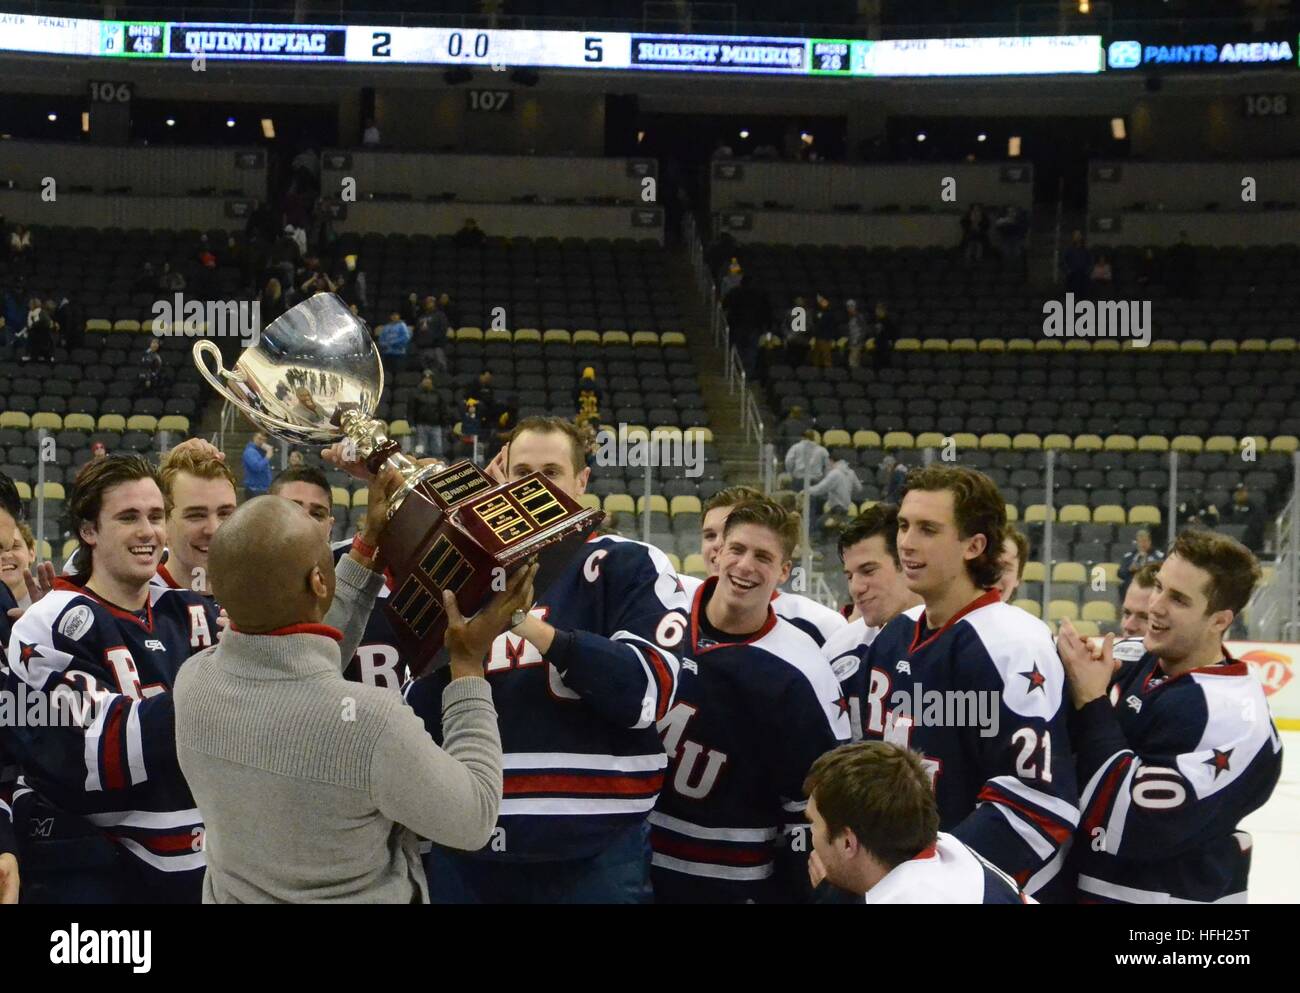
[1128, 649]
[76, 622]
[845, 666]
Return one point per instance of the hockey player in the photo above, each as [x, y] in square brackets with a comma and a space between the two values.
[819, 622]
[1134, 613]
[1184, 746]
[756, 705]
[1015, 556]
[876, 833]
[974, 684]
[868, 549]
[105, 815]
[578, 682]
[199, 492]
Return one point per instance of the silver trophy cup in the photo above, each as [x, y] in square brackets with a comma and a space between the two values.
[315, 378]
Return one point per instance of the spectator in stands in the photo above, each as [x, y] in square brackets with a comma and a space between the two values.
[271, 303]
[1077, 265]
[1134, 614]
[824, 334]
[1242, 510]
[151, 367]
[429, 417]
[885, 334]
[1143, 553]
[587, 393]
[395, 342]
[1103, 276]
[449, 307]
[1015, 554]
[720, 253]
[748, 314]
[793, 426]
[351, 282]
[1183, 272]
[297, 460]
[974, 233]
[21, 247]
[71, 322]
[856, 326]
[470, 426]
[431, 329]
[370, 137]
[891, 477]
[170, 280]
[806, 459]
[470, 234]
[257, 465]
[1197, 512]
[731, 278]
[314, 281]
[834, 492]
[98, 450]
[484, 394]
[590, 441]
[410, 309]
[146, 280]
[38, 335]
[18, 558]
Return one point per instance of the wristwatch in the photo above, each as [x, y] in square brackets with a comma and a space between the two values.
[517, 618]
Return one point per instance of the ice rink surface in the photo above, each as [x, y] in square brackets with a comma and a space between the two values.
[1275, 865]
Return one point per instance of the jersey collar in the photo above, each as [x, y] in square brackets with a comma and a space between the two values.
[63, 583]
[983, 600]
[702, 594]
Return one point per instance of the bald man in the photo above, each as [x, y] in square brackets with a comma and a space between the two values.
[313, 788]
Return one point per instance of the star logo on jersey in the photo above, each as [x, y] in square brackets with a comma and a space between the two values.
[677, 582]
[1219, 761]
[28, 652]
[843, 704]
[1036, 679]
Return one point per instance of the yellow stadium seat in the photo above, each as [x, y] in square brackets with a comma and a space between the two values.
[907, 345]
[1087, 443]
[672, 339]
[1284, 443]
[127, 325]
[866, 505]
[1253, 345]
[1195, 345]
[24, 490]
[15, 419]
[615, 338]
[79, 422]
[340, 497]
[644, 338]
[1048, 345]
[1163, 345]
[111, 422]
[555, 336]
[48, 421]
[1187, 443]
[1105, 345]
[995, 440]
[1086, 629]
[695, 565]
[1282, 345]
[400, 428]
[619, 503]
[1020, 345]
[1075, 513]
[590, 500]
[1069, 572]
[992, 345]
[898, 439]
[1037, 512]
[1034, 572]
[658, 504]
[1108, 513]
[586, 336]
[965, 440]
[936, 345]
[674, 561]
[52, 491]
[1058, 441]
[929, 439]
[497, 334]
[1030, 606]
[685, 505]
[168, 422]
[528, 334]
[963, 345]
[98, 325]
[1013, 513]
[837, 438]
[1144, 514]
[1101, 611]
[1059, 610]
[1225, 444]
[1026, 442]
[704, 434]
[1223, 345]
[866, 439]
[469, 334]
[1078, 345]
[1153, 443]
[69, 547]
[1110, 570]
[142, 422]
[361, 497]
[1120, 443]
[43, 551]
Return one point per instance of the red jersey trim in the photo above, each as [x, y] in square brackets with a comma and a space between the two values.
[697, 605]
[63, 583]
[983, 600]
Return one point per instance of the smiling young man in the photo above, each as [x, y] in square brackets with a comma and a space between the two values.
[756, 706]
[1181, 747]
[199, 492]
[818, 622]
[868, 549]
[579, 682]
[1135, 612]
[118, 821]
[974, 684]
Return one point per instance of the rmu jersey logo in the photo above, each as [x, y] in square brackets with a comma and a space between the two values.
[697, 770]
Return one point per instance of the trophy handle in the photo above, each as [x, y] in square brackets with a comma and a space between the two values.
[217, 382]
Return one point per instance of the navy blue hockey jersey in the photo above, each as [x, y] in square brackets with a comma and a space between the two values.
[112, 758]
[819, 622]
[1170, 767]
[982, 699]
[582, 759]
[377, 661]
[750, 719]
[947, 872]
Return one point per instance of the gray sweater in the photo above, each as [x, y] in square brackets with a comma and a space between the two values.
[313, 788]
